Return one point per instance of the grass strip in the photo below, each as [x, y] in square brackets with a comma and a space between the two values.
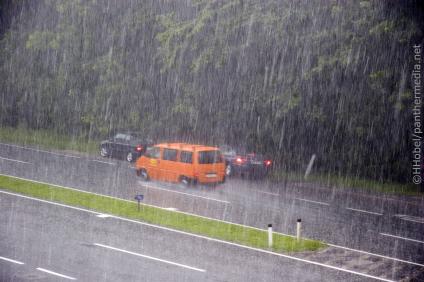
[47, 139]
[189, 223]
[341, 182]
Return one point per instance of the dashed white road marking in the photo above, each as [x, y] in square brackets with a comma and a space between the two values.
[55, 273]
[102, 162]
[315, 202]
[171, 209]
[363, 211]
[11, 260]
[268, 193]
[149, 257]
[38, 150]
[403, 238]
[187, 194]
[228, 243]
[410, 218]
[13, 160]
[103, 215]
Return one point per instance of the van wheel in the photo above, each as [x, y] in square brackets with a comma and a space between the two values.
[185, 180]
[143, 174]
[130, 157]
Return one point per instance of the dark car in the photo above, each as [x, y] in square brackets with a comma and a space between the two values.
[124, 145]
[243, 164]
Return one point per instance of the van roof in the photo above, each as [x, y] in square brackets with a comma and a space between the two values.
[186, 147]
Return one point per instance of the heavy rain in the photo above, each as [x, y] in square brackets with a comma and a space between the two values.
[205, 140]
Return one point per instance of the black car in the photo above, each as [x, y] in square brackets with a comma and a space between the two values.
[124, 145]
[243, 164]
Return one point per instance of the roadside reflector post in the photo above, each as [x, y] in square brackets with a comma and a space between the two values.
[270, 235]
[298, 229]
[139, 198]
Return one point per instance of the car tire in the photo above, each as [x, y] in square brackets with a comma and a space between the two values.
[185, 181]
[130, 157]
[104, 152]
[228, 170]
[143, 174]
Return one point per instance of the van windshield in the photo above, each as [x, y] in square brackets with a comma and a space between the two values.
[210, 157]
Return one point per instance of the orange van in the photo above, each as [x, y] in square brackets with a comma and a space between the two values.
[181, 162]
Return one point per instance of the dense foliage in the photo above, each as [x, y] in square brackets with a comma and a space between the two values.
[287, 78]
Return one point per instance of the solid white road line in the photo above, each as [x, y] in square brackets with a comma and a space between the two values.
[177, 231]
[55, 273]
[187, 194]
[363, 211]
[149, 257]
[38, 150]
[310, 201]
[13, 160]
[403, 238]
[11, 260]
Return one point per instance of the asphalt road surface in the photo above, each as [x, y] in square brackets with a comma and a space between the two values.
[371, 223]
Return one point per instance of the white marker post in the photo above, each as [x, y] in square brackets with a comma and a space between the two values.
[298, 228]
[270, 235]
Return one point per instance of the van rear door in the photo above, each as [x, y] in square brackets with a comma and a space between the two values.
[210, 166]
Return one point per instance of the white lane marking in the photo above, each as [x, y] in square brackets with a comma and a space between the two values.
[171, 209]
[363, 211]
[315, 202]
[102, 162]
[187, 194]
[403, 238]
[11, 260]
[38, 150]
[410, 218]
[55, 273]
[160, 227]
[265, 192]
[13, 160]
[149, 257]
[225, 242]
[103, 215]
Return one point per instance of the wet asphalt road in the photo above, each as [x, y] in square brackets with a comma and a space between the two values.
[361, 221]
[79, 244]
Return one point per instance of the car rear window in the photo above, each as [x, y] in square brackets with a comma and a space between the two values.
[210, 157]
[186, 157]
[169, 155]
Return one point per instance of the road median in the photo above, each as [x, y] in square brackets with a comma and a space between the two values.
[243, 235]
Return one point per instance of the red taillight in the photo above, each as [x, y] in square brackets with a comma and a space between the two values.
[139, 148]
[239, 160]
[268, 163]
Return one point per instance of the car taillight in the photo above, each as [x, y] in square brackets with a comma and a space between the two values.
[239, 160]
[268, 162]
[139, 148]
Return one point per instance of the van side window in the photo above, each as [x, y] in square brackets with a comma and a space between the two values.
[169, 155]
[186, 157]
[210, 157]
[153, 152]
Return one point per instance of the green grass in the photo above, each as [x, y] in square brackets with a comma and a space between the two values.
[350, 182]
[47, 139]
[189, 223]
